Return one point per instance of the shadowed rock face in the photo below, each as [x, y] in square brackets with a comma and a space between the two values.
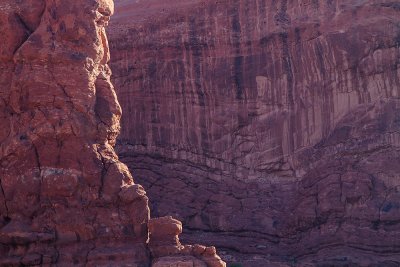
[276, 123]
[65, 198]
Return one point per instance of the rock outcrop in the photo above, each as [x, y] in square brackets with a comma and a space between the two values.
[167, 250]
[65, 198]
[276, 123]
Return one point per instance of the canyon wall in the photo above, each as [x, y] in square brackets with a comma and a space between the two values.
[270, 128]
[65, 198]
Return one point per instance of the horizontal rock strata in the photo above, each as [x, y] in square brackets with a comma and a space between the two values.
[275, 122]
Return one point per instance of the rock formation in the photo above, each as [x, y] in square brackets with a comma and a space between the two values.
[65, 198]
[168, 251]
[275, 122]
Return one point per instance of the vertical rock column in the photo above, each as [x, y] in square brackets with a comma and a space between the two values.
[64, 197]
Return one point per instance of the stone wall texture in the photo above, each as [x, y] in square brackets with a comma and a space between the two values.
[65, 198]
[271, 128]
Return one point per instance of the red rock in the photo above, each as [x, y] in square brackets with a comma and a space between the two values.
[167, 251]
[275, 122]
[65, 197]
[187, 261]
[165, 226]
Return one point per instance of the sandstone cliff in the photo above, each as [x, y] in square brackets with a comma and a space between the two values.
[276, 123]
[65, 198]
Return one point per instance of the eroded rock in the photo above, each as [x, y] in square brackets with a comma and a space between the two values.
[275, 122]
[65, 197]
[167, 251]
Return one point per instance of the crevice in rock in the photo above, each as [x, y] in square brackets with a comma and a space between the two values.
[5, 201]
[88, 253]
[28, 31]
[104, 171]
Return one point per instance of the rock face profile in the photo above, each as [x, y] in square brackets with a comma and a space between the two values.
[270, 128]
[65, 198]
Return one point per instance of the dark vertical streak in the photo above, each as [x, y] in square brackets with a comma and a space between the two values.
[195, 48]
[283, 20]
[287, 67]
[238, 60]
[197, 56]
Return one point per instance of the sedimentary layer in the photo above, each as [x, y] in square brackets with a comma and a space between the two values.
[275, 122]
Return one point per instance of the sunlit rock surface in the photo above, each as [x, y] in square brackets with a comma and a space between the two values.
[65, 198]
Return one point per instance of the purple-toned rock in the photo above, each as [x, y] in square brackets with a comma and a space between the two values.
[276, 123]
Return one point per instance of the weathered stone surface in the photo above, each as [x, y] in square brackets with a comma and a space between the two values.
[275, 122]
[60, 177]
[65, 198]
[167, 251]
[178, 262]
